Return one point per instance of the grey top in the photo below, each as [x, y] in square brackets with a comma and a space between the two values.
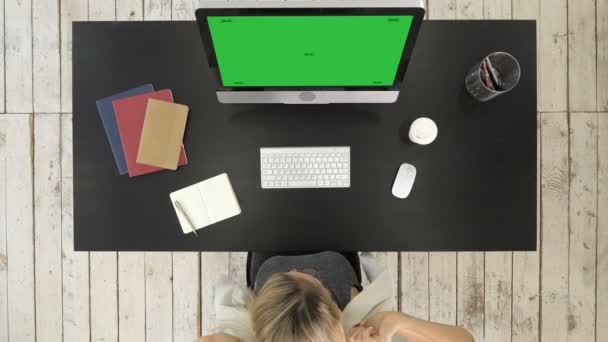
[333, 270]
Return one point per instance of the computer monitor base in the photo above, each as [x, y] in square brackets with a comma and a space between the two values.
[308, 97]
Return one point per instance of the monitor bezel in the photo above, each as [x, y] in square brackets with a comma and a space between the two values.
[417, 18]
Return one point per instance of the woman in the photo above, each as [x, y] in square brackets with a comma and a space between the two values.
[318, 298]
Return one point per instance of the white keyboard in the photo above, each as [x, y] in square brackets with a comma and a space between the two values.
[305, 167]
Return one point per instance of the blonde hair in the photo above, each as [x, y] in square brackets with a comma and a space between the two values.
[295, 309]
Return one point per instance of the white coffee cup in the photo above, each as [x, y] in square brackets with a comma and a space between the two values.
[423, 131]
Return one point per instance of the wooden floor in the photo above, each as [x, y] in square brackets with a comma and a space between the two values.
[50, 293]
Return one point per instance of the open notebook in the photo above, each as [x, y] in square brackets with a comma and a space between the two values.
[206, 202]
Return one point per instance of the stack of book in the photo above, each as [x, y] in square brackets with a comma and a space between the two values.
[145, 130]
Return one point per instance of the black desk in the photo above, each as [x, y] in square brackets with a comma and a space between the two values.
[476, 184]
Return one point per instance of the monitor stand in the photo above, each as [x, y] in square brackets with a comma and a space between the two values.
[309, 97]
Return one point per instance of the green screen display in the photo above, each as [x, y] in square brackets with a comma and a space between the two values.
[300, 51]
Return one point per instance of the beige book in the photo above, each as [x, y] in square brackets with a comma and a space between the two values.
[162, 134]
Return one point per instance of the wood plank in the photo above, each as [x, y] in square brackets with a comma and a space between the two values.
[470, 291]
[469, 9]
[157, 9]
[498, 295]
[602, 229]
[183, 10]
[527, 9]
[18, 55]
[555, 174]
[47, 233]
[526, 271]
[129, 10]
[102, 10]
[442, 287]
[19, 228]
[238, 267]
[213, 265]
[2, 65]
[583, 226]
[75, 265]
[602, 54]
[415, 284]
[497, 9]
[104, 296]
[442, 9]
[71, 10]
[159, 296]
[186, 292]
[46, 61]
[525, 297]
[3, 242]
[131, 297]
[525, 322]
[553, 54]
[581, 56]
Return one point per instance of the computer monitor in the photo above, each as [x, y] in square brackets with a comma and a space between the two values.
[309, 51]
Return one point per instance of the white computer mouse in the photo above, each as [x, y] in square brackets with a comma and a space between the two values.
[404, 180]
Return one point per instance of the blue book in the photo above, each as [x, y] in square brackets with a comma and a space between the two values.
[106, 113]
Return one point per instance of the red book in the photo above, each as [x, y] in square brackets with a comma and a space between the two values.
[130, 113]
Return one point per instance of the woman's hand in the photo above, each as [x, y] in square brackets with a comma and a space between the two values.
[384, 323]
[361, 333]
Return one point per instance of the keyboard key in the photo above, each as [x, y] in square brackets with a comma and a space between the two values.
[302, 184]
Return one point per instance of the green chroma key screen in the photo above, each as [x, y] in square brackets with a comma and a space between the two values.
[300, 51]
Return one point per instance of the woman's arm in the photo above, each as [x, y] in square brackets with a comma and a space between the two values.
[218, 338]
[389, 324]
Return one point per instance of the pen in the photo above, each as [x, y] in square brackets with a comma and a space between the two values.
[183, 212]
[493, 74]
